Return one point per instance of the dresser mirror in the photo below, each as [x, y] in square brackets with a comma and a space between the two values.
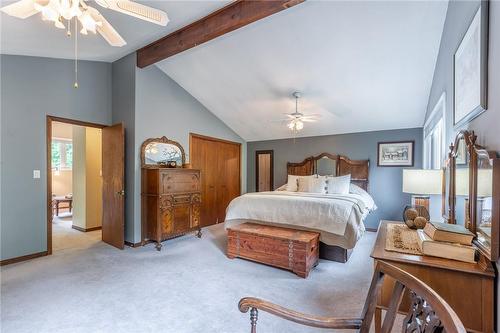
[162, 153]
[486, 222]
[446, 208]
[475, 192]
[461, 155]
[326, 165]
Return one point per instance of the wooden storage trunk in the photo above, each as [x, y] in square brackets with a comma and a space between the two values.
[294, 250]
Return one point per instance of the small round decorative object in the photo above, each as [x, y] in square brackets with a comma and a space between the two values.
[172, 164]
[420, 222]
[415, 216]
[410, 224]
[411, 214]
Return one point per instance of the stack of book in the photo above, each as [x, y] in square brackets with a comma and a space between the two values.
[445, 240]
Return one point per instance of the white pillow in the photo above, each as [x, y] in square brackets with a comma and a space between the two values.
[292, 183]
[367, 198]
[338, 185]
[315, 184]
[281, 188]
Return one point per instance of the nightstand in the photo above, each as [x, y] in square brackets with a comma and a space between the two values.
[468, 288]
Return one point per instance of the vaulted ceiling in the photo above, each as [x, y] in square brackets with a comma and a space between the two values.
[361, 65]
[34, 37]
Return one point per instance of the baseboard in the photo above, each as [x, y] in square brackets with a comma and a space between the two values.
[23, 258]
[133, 244]
[371, 229]
[85, 229]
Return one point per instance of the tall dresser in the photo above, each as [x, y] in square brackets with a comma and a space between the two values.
[171, 199]
[171, 193]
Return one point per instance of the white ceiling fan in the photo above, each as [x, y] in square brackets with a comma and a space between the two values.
[63, 11]
[295, 120]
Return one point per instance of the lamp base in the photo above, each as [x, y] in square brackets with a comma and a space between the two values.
[421, 200]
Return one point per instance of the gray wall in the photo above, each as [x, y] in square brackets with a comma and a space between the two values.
[32, 88]
[124, 111]
[151, 104]
[385, 182]
[486, 126]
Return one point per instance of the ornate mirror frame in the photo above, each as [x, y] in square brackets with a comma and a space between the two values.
[165, 140]
[476, 152]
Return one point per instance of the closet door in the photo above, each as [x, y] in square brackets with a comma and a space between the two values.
[229, 185]
[219, 162]
[204, 157]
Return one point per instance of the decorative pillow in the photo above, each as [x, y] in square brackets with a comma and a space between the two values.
[338, 185]
[367, 198]
[315, 184]
[281, 188]
[292, 185]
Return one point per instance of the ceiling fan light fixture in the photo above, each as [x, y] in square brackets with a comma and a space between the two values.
[59, 24]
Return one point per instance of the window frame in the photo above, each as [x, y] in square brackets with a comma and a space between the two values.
[435, 121]
[62, 152]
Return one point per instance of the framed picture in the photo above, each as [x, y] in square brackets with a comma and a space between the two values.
[470, 70]
[396, 154]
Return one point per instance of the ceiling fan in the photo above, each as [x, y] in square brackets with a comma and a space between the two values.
[295, 120]
[63, 11]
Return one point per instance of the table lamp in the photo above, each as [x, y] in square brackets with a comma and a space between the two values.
[421, 183]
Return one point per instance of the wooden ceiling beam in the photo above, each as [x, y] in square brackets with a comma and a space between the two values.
[229, 18]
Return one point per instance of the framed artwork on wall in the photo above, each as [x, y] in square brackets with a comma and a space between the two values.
[470, 70]
[396, 154]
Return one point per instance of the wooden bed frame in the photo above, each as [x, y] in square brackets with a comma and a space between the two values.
[358, 170]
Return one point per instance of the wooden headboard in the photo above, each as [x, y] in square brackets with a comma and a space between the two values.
[357, 169]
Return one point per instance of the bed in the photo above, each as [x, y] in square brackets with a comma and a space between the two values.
[337, 217]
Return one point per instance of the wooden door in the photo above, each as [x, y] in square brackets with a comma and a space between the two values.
[219, 162]
[203, 156]
[264, 170]
[113, 193]
[229, 177]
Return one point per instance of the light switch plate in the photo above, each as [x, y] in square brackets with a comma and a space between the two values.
[36, 174]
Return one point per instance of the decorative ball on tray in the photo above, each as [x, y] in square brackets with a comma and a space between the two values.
[416, 216]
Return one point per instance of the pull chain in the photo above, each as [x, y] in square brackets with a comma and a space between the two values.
[76, 54]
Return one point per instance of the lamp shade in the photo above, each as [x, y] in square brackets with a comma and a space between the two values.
[422, 181]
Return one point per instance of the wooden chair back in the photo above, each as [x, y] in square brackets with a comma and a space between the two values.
[428, 312]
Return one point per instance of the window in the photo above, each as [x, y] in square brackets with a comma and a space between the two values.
[62, 154]
[434, 134]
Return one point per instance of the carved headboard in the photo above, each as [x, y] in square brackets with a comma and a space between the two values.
[343, 166]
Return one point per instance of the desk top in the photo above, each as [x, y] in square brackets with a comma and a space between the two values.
[483, 267]
[62, 198]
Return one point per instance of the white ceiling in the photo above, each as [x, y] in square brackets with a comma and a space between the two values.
[34, 37]
[362, 65]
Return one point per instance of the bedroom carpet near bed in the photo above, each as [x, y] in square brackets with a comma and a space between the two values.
[190, 286]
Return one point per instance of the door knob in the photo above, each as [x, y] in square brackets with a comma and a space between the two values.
[122, 192]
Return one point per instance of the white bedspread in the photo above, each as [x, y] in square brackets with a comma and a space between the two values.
[325, 212]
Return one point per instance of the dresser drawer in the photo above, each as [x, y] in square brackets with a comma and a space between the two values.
[175, 182]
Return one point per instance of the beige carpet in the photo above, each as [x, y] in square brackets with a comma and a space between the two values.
[64, 237]
[190, 286]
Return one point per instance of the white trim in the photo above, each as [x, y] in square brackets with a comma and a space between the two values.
[440, 106]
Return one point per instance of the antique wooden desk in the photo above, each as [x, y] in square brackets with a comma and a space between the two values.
[62, 199]
[468, 288]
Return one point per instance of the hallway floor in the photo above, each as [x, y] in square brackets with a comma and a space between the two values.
[64, 237]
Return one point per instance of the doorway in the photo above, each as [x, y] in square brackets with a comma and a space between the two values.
[85, 184]
[264, 170]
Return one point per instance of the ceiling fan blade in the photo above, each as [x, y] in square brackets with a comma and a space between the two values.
[309, 120]
[137, 10]
[21, 9]
[106, 30]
